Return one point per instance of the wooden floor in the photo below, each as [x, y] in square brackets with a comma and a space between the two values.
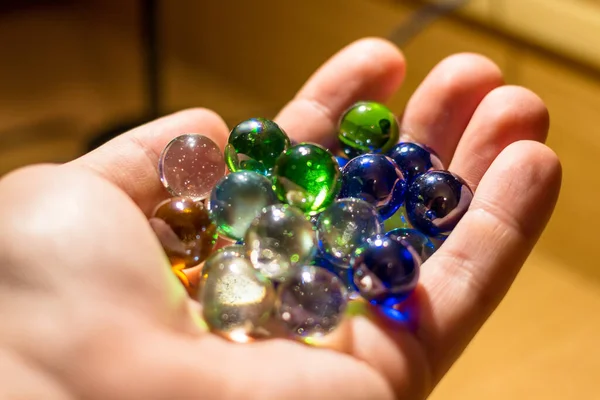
[81, 73]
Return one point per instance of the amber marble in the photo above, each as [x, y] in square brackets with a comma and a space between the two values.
[185, 231]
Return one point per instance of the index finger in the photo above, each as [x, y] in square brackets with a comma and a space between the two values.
[130, 161]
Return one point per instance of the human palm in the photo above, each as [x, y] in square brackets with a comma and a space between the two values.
[90, 310]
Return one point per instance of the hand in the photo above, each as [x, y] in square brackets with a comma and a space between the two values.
[89, 308]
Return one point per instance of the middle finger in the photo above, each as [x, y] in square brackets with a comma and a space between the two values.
[442, 106]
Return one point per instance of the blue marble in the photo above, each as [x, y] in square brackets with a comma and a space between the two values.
[423, 246]
[386, 271]
[344, 226]
[237, 199]
[376, 179]
[342, 161]
[414, 159]
[436, 201]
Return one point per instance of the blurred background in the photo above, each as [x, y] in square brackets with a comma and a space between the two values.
[74, 73]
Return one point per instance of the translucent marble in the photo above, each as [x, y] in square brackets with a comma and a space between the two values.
[376, 179]
[311, 302]
[233, 250]
[386, 271]
[190, 165]
[414, 159]
[237, 199]
[279, 239]
[344, 273]
[344, 226]
[255, 145]
[367, 127]
[307, 176]
[185, 231]
[236, 298]
[436, 201]
[423, 246]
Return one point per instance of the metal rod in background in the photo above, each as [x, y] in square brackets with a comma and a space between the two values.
[421, 18]
[151, 55]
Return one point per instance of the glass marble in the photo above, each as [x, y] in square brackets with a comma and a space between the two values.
[414, 159]
[255, 145]
[237, 199]
[386, 271]
[312, 302]
[344, 273]
[342, 161]
[376, 179]
[436, 201]
[423, 246]
[367, 127]
[279, 239]
[236, 298]
[307, 176]
[344, 226]
[185, 231]
[190, 165]
[233, 250]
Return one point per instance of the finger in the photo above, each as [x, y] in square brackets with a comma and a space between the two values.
[130, 161]
[506, 115]
[369, 69]
[474, 268]
[440, 109]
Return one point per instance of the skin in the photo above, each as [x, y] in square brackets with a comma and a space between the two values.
[90, 310]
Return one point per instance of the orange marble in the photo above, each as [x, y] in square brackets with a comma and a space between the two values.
[185, 231]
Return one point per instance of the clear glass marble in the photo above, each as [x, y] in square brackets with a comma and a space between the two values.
[280, 238]
[237, 199]
[344, 226]
[311, 302]
[191, 165]
[236, 298]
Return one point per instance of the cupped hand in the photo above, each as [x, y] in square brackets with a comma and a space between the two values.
[89, 308]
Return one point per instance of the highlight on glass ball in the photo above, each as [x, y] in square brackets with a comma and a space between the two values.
[310, 232]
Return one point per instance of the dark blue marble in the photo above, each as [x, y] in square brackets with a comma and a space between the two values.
[376, 179]
[386, 271]
[414, 159]
[436, 202]
[423, 246]
[342, 161]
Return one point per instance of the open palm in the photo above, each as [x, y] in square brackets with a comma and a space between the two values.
[89, 309]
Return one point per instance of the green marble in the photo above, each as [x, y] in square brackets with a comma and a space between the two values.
[255, 145]
[307, 176]
[367, 127]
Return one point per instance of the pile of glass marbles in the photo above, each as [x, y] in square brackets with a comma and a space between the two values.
[307, 231]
